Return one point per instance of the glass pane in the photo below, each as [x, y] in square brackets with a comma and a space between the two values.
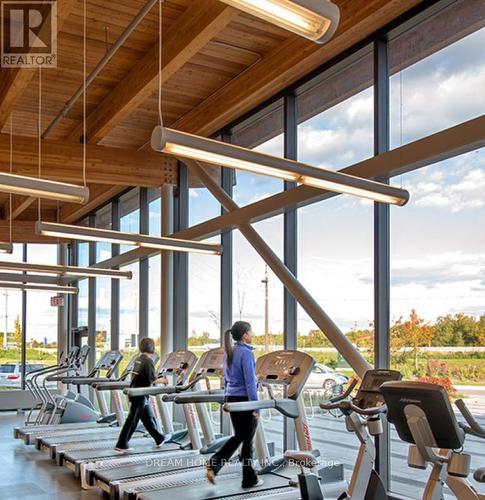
[335, 245]
[257, 293]
[437, 300]
[204, 279]
[103, 287]
[443, 73]
[41, 316]
[11, 331]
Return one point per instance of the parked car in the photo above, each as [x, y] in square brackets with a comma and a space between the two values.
[10, 373]
[325, 378]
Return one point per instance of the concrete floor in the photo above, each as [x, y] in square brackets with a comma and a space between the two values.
[29, 474]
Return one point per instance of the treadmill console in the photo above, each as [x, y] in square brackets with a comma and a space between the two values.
[288, 368]
[179, 364]
[369, 394]
[73, 356]
[109, 361]
[211, 364]
[82, 355]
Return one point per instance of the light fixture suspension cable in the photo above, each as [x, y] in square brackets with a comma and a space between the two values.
[39, 132]
[160, 61]
[10, 196]
[84, 92]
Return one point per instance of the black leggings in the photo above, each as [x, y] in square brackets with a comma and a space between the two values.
[245, 425]
[139, 409]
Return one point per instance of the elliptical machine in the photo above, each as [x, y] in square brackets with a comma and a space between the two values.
[363, 417]
[423, 417]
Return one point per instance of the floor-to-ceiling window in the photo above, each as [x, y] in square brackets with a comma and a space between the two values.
[11, 331]
[335, 238]
[41, 327]
[103, 287]
[257, 292]
[438, 240]
[154, 277]
[129, 289]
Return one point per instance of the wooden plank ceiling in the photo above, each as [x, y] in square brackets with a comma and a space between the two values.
[218, 63]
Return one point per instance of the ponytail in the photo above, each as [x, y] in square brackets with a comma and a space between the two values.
[228, 346]
[235, 333]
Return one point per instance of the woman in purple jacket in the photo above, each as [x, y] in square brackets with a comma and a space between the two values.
[239, 385]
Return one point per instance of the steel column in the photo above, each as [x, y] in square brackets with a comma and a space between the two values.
[92, 300]
[312, 308]
[115, 284]
[143, 306]
[62, 312]
[23, 353]
[167, 274]
[226, 269]
[290, 244]
[382, 243]
[181, 264]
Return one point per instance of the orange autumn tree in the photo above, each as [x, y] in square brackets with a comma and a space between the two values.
[412, 333]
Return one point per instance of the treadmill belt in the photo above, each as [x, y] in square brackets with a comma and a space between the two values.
[79, 456]
[157, 465]
[93, 436]
[225, 487]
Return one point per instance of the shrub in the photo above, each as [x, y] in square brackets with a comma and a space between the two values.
[442, 381]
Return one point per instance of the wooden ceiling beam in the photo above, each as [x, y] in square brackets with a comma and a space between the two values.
[195, 28]
[98, 195]
[19, 205]
[288, 62]
[22, 232]
[14, 81]
[62, 161]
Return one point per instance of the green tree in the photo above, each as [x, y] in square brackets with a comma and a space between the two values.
[413, 333]
[458, 330]
[17, 332]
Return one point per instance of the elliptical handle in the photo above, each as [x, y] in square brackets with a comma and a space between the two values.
[475, 427]
[346, 393]
[374, 410]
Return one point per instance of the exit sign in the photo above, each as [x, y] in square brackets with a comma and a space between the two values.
[57, 301]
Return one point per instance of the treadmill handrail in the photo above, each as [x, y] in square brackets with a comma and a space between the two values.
[349, 405]
[262, 404]
[110, 386]
[162, 389]
[474, 427]
[200, 397]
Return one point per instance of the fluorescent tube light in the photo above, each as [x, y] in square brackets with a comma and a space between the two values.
[109, 236]
[185, 145]
[39, 288]
[41, 188]
[6, 248]
[65, 270]
[316, 20]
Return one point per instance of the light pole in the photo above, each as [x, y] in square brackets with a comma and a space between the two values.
[6, 321]
[266, 309]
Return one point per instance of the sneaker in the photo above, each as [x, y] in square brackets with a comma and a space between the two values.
[210, 474]
[124, 450]
[259, 482]
[166, 439]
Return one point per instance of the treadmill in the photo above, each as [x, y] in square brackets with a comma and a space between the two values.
[95, 436]
[288, 370]
[117, 478]
[108, 364]
[178, 363]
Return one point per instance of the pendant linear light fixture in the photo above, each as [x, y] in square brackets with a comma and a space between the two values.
[39, 288]
[316, 20]
[41, 188]
[106, 235]
[65, 270]
[6, 248]
[181, 144]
